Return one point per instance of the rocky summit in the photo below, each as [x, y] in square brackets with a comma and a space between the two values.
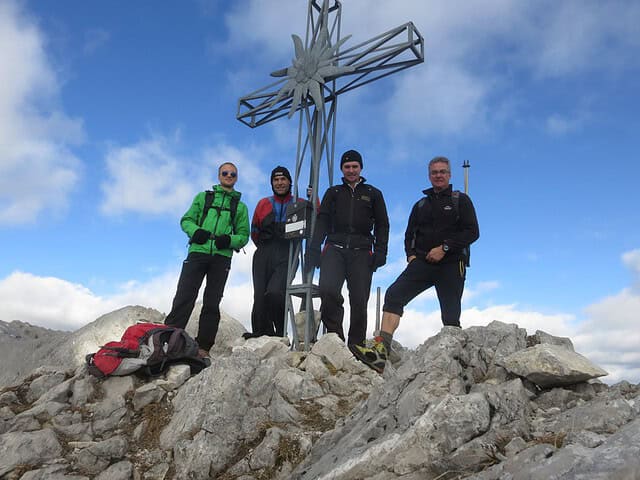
[482, 403]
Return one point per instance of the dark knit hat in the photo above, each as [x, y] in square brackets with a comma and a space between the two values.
[351, 156]
[280, 171]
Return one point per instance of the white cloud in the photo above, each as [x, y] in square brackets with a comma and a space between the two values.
[61, 305]
[47, 301]
[37, 168]
[150, 177]
[473, 62]
[147, 177]
[576, 37]
[611, 334]
[632, 260]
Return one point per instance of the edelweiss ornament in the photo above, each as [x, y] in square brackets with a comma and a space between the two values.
[310, 70]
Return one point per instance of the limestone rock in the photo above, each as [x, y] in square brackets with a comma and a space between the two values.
[455, 404]
[28, 448]
[549, 365]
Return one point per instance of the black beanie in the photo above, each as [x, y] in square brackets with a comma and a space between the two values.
[280, 171]
[351, 156]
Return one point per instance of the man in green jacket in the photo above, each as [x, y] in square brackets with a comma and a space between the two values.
[217, 223]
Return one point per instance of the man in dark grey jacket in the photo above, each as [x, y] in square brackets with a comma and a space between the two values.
[441, 227]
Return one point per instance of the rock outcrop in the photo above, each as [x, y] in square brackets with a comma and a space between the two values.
[483, 403]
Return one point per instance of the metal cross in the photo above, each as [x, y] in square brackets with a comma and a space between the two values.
[319, 73]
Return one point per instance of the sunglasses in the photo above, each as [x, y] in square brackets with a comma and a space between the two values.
[224, 173]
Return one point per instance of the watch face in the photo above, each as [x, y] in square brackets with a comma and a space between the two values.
[445, 247]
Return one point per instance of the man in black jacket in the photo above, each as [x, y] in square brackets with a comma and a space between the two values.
[441, 227]
[353, 220]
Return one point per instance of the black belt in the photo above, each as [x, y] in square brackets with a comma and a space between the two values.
[337, 245]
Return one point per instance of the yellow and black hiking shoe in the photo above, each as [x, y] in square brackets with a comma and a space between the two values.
[374, 357]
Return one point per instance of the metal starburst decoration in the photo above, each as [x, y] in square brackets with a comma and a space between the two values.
[310, 70]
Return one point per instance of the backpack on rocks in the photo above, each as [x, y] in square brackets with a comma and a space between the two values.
[148, 349]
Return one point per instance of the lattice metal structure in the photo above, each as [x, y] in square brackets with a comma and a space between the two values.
[323, 68]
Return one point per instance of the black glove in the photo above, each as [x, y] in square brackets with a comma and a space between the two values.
[312, 258]
[378, 259]
[223, 241]
[200, 236]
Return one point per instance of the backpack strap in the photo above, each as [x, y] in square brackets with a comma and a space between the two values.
[233, 209]
[455, 196]
[208, 201]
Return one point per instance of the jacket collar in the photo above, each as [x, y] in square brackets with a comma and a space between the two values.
[446, 192]
[362, 180]
[234, 193]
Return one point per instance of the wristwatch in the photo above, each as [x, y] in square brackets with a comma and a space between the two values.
[445, 247]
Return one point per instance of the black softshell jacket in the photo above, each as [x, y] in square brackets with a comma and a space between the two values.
[434, 221]
[353, 218]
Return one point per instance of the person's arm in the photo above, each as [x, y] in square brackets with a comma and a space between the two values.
[189, 221]
[467, 230]
[380, 231]
[240, 236]
[410, 234]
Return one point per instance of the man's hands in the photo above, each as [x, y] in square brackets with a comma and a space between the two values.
[378, 259]
[312, 258]
[200, 236]
[435, 254]
[222, 242]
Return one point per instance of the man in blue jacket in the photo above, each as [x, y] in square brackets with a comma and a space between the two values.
[270, 261]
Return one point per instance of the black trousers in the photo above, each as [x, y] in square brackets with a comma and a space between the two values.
[194, 269]
[269, 271]
[354, 266]
[448, 278]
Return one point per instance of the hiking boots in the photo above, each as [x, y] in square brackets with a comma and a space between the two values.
[374, 357]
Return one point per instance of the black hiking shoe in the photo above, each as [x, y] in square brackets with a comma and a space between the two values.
[374, 357]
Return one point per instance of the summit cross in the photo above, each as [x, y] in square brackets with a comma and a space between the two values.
[310, 86]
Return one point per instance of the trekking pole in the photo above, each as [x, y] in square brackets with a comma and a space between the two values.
[377, 330]
[466, 166]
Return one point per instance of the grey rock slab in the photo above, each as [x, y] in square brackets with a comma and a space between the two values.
[21, 423]
[333, 350]
[44, 384]
[618, 458]
[176, 376]
[550, 366]
[60, 392]
[118, 471]
[96, 456]
[157, 472]
[44, 411]
[218, 411]
[602, 415]
[146, 394]
[54, 472]
[541, 337]
[83, 390]
[27, 448]
[8, 398]
[297, 385]
[6, 413]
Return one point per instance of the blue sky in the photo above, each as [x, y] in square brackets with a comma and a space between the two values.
[113, 115]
